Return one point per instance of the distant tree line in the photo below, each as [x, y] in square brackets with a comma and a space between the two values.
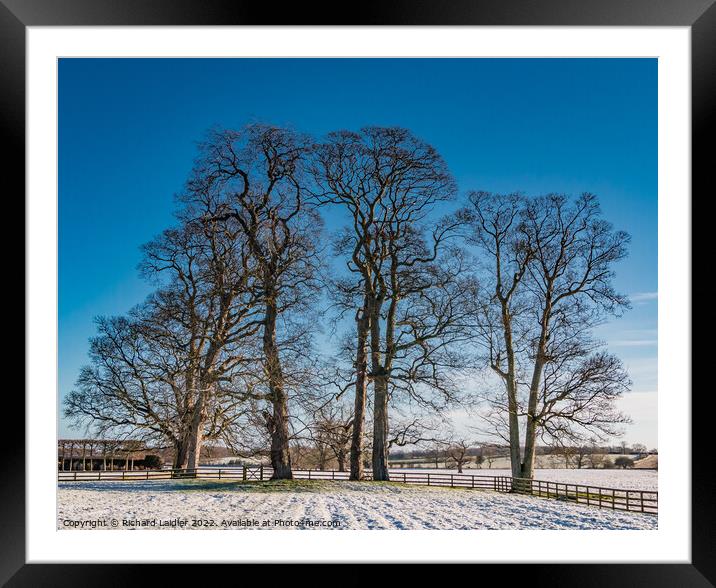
[458, 453]
[430, 302]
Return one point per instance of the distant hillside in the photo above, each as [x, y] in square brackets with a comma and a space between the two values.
[649, 462]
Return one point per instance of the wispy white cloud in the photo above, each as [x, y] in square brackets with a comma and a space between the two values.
[634, 342]
[642, 297]
[643, 371]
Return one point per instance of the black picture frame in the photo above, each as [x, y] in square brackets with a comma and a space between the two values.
[16, 15]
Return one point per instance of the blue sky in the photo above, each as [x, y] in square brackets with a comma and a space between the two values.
[128, 130]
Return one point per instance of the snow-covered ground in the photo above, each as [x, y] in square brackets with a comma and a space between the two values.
[334, 505]
[619, 479]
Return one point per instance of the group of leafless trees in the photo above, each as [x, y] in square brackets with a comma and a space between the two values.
[420, 291]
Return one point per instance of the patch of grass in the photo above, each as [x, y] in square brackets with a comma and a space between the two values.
[271, 486]
[266, 486]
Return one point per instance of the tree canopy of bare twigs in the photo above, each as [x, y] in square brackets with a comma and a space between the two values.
[222, 351]
[550, 265]
[252, 182]
[179, 365]
[405, 285]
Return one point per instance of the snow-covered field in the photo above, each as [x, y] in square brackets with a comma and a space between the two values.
[205, 504]
[619, 479]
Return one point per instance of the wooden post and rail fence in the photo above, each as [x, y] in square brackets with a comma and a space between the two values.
[645, 501]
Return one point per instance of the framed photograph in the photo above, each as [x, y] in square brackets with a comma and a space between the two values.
[410, 289]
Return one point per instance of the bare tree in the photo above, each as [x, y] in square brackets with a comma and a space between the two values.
[566, 452]
[206, 314]
[437, 451]
[179, 366]
[596, 460]
[237, 265]
[639, 449]
[252, 181]
[388, 181]
[491, 453]
[496, 220]
[581, 455]
[457, 452]
[125, 390]
[333, 428]
[557, 255]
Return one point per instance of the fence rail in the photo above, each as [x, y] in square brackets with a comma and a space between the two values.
[645, 501]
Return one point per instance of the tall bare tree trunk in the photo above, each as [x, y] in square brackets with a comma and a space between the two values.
[181, 453]
[183, 443]
[380, 376]
[528, 462]
[280, 454]
[511, 384]
[380, 428]
[196, 433]
[356, 453]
